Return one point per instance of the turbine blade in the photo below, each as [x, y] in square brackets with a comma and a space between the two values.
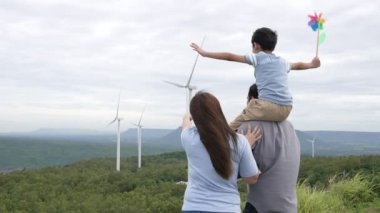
[118, 105]
[113, 121]
[117, 111]
[175, 84]
[134, 124]
[195, 63]
[141, 115]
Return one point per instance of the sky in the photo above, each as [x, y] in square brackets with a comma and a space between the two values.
[63, 62]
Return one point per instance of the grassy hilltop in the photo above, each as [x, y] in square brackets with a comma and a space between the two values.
[328, 184]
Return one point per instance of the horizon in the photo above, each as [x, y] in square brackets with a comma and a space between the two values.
[134, 128]
[64, 63]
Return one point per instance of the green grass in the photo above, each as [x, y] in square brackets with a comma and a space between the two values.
[94, 186]
[314, 200]
[356, 194]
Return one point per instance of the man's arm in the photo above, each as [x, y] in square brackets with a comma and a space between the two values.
[218, 55]
[308, 65]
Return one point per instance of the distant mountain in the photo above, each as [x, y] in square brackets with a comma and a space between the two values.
[148, 135]
[63, 135]
[62, 146]
[174, 135]
[50, 131]
[338, 143]
[173, 139]
[59, 132]
[327, 142]
[346, 136]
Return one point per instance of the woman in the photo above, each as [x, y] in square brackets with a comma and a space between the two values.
[216, 155]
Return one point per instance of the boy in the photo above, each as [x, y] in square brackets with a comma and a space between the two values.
[275, 101]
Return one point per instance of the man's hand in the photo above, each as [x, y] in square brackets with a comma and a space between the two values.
[252, 135]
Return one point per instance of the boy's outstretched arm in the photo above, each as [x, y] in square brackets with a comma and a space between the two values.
[304, 66]
[218, 55]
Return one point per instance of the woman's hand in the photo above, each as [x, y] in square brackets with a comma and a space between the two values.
[186, 123]
[252, 135]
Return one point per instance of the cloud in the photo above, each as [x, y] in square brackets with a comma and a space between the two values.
[63, 62]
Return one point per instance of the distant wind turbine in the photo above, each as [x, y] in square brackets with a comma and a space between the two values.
[118, 119]
[189, 88]
[312, 146]
[139, 136]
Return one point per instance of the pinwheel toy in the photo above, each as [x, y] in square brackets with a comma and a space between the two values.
[316, 23]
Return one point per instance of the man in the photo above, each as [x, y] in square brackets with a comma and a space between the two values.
[277, 154]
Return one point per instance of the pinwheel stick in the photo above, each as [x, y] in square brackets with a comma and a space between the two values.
[316, 54]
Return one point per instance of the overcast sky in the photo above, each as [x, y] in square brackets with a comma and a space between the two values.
[63, 62]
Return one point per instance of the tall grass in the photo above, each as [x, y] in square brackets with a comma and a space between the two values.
[341, 195]
[314, 200]
[354, 191]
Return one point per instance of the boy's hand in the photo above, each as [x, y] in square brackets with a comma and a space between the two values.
[197, 48]
[218, 55]
[315, 62]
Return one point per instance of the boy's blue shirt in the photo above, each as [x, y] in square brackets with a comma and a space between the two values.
[271, 73]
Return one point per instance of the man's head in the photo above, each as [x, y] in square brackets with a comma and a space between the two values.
[252, 93]
[264, 39]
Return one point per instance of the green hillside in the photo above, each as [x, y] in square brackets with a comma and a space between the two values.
[17, 153]
[94, 186]
[54, 147]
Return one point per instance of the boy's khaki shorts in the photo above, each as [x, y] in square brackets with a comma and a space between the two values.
[261, 110]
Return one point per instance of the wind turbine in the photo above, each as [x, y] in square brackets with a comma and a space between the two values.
[139, 135]
[189, 88]
[118, 134]
[312, 146]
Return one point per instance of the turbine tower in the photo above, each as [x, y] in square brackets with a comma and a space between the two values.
[118, 119]
[312, 146]
[189, 88]
[139, 136]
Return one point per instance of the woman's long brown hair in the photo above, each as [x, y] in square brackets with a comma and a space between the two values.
[214, 131]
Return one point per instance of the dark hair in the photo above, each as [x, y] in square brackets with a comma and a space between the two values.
[266, 38]
[214, 131]
[252, 92]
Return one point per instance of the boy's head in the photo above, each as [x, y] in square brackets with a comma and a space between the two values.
[264, 39]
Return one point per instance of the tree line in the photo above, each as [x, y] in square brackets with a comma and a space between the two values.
[95, 186]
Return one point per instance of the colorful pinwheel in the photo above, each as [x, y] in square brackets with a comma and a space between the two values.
[316, 23]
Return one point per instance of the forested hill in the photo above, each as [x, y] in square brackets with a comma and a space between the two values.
[95, 186]
[47, 147]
